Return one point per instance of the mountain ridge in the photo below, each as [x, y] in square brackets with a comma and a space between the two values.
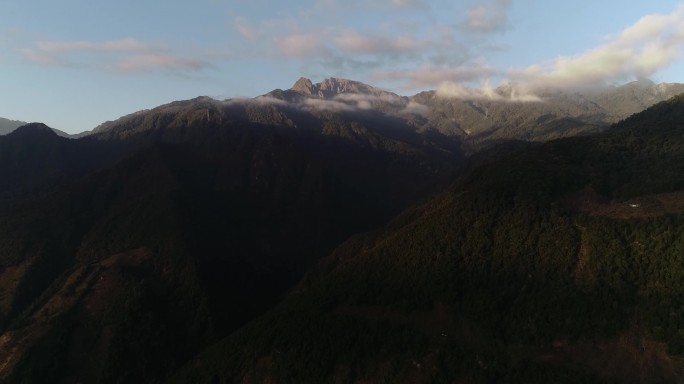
[497, 279]
[7, 125]
[392, 253]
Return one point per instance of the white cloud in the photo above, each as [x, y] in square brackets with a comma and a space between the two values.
[640, 50]
[450, 89]
[507, 92]
[327, 105]
[416, 109]
[259, 100]
[430, 76]
[269, 100]
[364, 101]
[387, 98]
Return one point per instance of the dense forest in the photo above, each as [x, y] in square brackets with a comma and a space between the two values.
[515, 274]
[252, 241]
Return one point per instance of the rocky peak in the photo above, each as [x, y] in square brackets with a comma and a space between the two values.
[303, 85]
[333, 86]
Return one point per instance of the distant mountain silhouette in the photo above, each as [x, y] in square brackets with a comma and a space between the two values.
[7, 126]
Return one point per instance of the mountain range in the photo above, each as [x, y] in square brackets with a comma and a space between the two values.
[502, 115]
[559, 262]
[336, 232]
[7, 126]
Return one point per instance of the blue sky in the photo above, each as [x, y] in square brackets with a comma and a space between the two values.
[73, 64]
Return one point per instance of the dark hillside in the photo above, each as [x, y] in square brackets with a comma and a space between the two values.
[190, 229]
[499, 279]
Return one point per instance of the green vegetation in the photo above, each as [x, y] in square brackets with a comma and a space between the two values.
[500, 279]
[126, 256]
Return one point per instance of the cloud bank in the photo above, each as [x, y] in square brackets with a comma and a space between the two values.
[640, 50]
[652, 43]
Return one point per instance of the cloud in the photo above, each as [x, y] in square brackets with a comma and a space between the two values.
[268, 100]
[56, 47]
[449, 89]
[354, 42]
[155, 61]
[490, 17]
[124, 55]
[423, 45]
[356, 5]
[245, 30]
[430, 76]
[300, 44]
[327, 105]
[52, 52]
[409, 3]
[507, 92]
[259, 100]
[363, 101]
[414, 108]
[40, 57]
[640, 50]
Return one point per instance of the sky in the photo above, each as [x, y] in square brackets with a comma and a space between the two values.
[73, 64]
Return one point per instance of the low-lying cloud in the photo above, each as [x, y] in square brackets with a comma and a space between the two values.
[345, 102]
[507, 92]
[415, 108]
[327, 105]
[432, 76]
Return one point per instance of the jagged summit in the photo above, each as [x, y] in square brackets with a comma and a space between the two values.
[333, 86]
[303, 85]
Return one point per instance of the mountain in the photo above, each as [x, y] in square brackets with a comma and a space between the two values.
[476, 122]
[7, 126]
[34, 161]
[551, 114]
[558, 262]
[332, 87]
[482, 121]
[258, 239]
[139, 245]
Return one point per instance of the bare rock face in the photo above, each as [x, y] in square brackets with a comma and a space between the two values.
[304, 85]
[331, 87]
